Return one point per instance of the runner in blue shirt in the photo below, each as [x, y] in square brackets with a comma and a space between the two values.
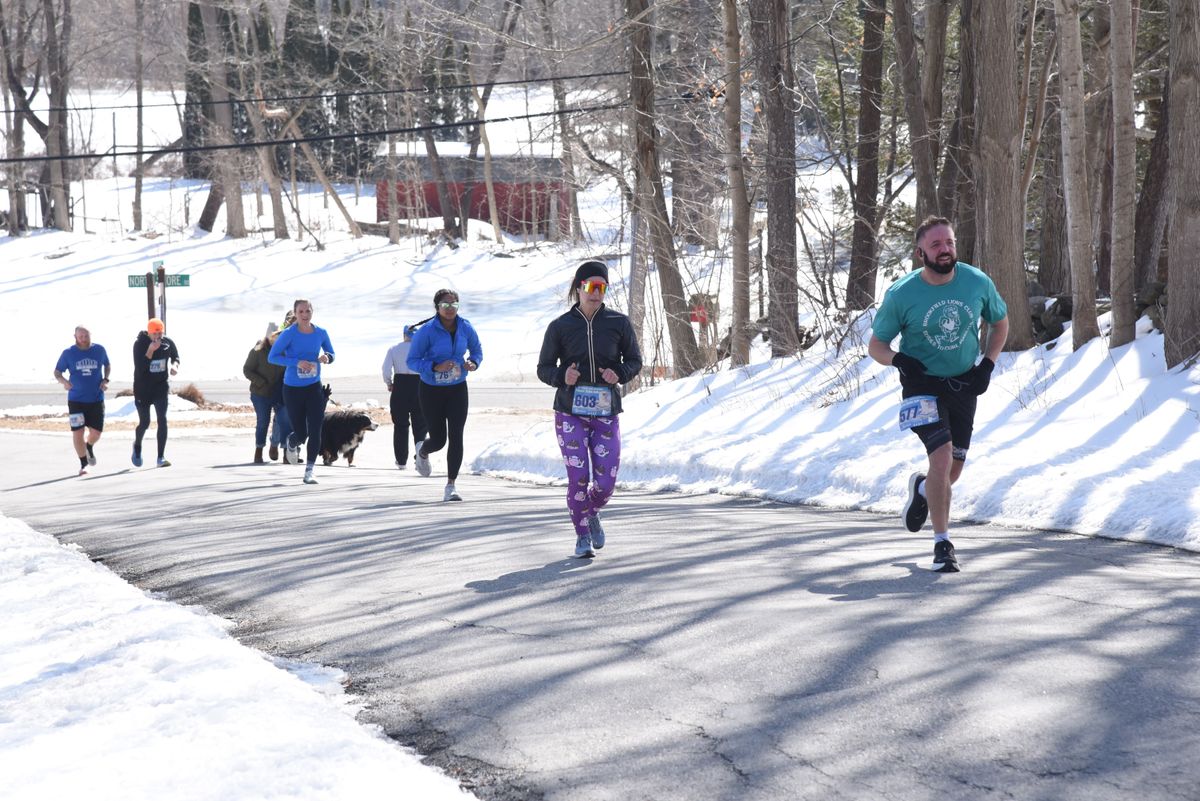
[87, 369]
[443, 351]
[938, 312]
[302, 348]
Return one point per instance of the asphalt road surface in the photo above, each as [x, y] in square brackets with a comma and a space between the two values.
[718, 649]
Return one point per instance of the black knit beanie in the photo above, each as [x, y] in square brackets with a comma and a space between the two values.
[590, 269]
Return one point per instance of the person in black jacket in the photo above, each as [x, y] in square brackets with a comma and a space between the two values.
[155, 359]
[585, 354]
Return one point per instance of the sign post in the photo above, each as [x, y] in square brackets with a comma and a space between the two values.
[161, 280]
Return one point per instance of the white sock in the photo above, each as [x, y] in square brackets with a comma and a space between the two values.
[941, 537]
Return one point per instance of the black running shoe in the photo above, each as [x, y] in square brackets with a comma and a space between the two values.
[916, 511]
[944, 560]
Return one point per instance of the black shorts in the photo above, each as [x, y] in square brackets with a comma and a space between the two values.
[83, 414]
[956, 412]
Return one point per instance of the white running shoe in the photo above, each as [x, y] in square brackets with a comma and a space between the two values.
[423, 465]
[451, 494]
[308, 475]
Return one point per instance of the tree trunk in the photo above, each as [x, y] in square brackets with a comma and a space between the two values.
[963, 145]
[225, 161]
[860, 286]
[1074, 164]
[653, 203]
[1054, 260]
[1183, 309]
[1124, 174]
[1000, 210]
[58, 82]
[923, 146]
[1152, 209]
[739, 335]
[139, 24]
[769, 29]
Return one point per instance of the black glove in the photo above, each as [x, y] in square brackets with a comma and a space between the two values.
[910, 369]
[981, 376]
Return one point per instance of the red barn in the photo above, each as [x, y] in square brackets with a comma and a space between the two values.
[531, 194]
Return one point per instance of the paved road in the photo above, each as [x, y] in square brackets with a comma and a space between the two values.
[350, 389]
[718, 649]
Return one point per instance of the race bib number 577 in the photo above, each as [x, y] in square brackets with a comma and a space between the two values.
[918, 410]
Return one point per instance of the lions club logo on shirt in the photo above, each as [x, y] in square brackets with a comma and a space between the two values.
[947, 324]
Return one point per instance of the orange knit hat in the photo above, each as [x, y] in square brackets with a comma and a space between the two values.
[155, 326]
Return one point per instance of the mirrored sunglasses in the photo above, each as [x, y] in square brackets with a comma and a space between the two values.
[448, 304]
[593, 286]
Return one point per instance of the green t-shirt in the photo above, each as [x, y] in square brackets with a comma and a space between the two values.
[940, 324]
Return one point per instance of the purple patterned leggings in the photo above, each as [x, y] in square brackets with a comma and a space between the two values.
[584, 439]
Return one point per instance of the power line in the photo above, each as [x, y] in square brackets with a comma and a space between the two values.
[327, 95]
[295, 141]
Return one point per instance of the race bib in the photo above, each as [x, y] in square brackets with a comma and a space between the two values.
[307, 372]
[76, 419]
[158, 366]
[447, 376]
[592, 400]
[918, 410]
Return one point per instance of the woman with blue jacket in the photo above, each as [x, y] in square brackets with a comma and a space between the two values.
[302, 348]
[443, 351]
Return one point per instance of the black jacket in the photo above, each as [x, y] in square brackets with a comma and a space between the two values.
[607, 340]
[150, 374]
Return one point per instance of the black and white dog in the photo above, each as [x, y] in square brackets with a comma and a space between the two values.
[342, 433]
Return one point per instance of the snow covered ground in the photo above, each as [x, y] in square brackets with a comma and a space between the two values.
[109, 693]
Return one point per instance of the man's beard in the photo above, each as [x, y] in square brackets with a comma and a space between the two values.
[938, 268]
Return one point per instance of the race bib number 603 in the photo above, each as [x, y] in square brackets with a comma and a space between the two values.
[592, 400]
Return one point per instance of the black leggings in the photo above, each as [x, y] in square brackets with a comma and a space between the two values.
[306, 408]
[405, 406]
[157, 398]
[445, 412]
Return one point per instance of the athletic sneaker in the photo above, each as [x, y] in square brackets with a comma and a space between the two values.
[423, 465]
[163, 462]
[451, 494]
[308, 475]
[91, 456]
[136, 458]
[583, 547]
[944, 560]
[916, 511]
[83, 471]
[596, 530]
[401, 466]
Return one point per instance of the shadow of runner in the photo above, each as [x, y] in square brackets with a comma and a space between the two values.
[539, 576]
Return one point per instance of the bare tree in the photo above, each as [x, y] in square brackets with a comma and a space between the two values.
[769, 28]
[1084, 327]
[924, 148]
[860, 286]
[1183, 310]
[225, 161]
[1001, 234]
[654, 206]
[1151, 219]
[1124, 197]
[739, 340]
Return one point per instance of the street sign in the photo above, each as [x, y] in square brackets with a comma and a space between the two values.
[176, 279]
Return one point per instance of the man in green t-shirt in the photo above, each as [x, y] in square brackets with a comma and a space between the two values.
[939, 312]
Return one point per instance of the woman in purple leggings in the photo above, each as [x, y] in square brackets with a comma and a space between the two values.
[585, 354]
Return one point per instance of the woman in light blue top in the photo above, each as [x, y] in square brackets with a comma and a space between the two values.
[302, 348]
[443, 351]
